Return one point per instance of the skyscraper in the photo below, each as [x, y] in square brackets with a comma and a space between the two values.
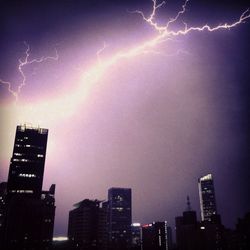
[207, 197]
[30, 212]
[87, 228]
[27, 162]
[136, 236]
[119, 218]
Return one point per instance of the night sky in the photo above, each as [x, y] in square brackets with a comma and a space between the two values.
[154, 122]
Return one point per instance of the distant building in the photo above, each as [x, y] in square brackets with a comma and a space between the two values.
[136, 236]
[243, 233]
[187, 230]
[212, 233]
[30, 211]
[119, 218]
[155, 236]
[207, 197]
[87, 227]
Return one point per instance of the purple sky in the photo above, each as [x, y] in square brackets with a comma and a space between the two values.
[155, 122]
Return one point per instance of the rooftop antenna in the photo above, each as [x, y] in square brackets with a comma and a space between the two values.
[188, 204]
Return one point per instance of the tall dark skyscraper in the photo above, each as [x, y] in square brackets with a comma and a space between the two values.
[27, 162]
[30, 212]
[119, 218]
[207, 197]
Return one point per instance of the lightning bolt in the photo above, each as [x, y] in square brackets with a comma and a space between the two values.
[95, 72]
[99, 52]
[22, 63]
[66, 105]
[164, 33]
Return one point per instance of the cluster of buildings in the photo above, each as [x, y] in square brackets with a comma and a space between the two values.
[27, 213]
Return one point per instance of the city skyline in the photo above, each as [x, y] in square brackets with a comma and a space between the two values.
[154, 123]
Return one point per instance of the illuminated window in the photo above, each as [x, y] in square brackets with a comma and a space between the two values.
[27, 175]
[25, 191]
[17, 154]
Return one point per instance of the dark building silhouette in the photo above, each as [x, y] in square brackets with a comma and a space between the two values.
[119, 218]
[30, 212]
[27, 162]
[187, 230]
[87, 228]
[194, 235]
[169, 238]
[212, 234]
[136, 236]
[155, 236]
[242, 233]
[3, 194]
[207, 197]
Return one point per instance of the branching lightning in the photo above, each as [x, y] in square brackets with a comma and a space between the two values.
[22, 63]
[92, 75]
[164, 33]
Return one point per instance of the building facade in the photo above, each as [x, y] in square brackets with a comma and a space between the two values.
[207, 197]
[119, 218]
[155, 236]
[27, 162]
[87, 227]
[30, 212]
[136, 236]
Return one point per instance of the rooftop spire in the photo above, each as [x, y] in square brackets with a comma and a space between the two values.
[188, 204]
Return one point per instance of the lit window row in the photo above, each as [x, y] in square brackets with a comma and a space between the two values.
[22, 191]
[23, 160]
[40, 156]
[118, 208]
[17, 154]
[27, 175]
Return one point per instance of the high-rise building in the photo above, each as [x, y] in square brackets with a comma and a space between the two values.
[207, 197]
[136, 236]
[27, 162]
[30, 212]
[87, 227]
[155, 236]
[119, 218]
